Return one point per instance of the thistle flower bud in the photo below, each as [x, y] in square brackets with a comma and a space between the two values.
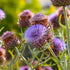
[54, 18]
[24, 18]
[60, 12]
[24, 23]
[39, 18]
[38, 35]
[10, 40]
[60, 2]
[59, 46]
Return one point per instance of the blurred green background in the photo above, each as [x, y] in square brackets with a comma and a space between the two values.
[13, 7]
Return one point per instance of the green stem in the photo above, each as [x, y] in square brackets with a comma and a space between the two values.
[55, 57]
[17, 65]
[68, 38]
[21, 34]
[67, 30]
[39, 61]
[22, 56]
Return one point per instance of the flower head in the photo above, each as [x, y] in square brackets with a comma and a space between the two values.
[6, 35]
[54, 18]
[37, 35]
[24, 18]
[39, 18]
[24, 23]
[2, 14]
[60, 12]
[9, 40]
[26, 14]
[60, 2]
[59, 46]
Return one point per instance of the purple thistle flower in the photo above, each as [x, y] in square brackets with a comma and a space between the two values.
[7, 34]
[27, 14]
[24, 68]
[60, 11]
[2, 14]
[39, 18]
[59, 45]
[24, 18]
[48, 68]
[24, 23]
[54, 20]
[37, 35]
[54, 17]
[10, 40]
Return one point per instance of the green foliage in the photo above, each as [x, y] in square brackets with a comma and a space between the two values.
[33, 5]
[12, 8]
[9, 7]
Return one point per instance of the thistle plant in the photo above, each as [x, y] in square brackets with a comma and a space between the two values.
[63, 4]
[38, 48]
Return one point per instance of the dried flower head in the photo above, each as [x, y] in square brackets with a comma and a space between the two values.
[37, 35]
[60, 2]
[59, 46]
[24, 18]
[39, 18]
[2, 14]
[10, 40]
